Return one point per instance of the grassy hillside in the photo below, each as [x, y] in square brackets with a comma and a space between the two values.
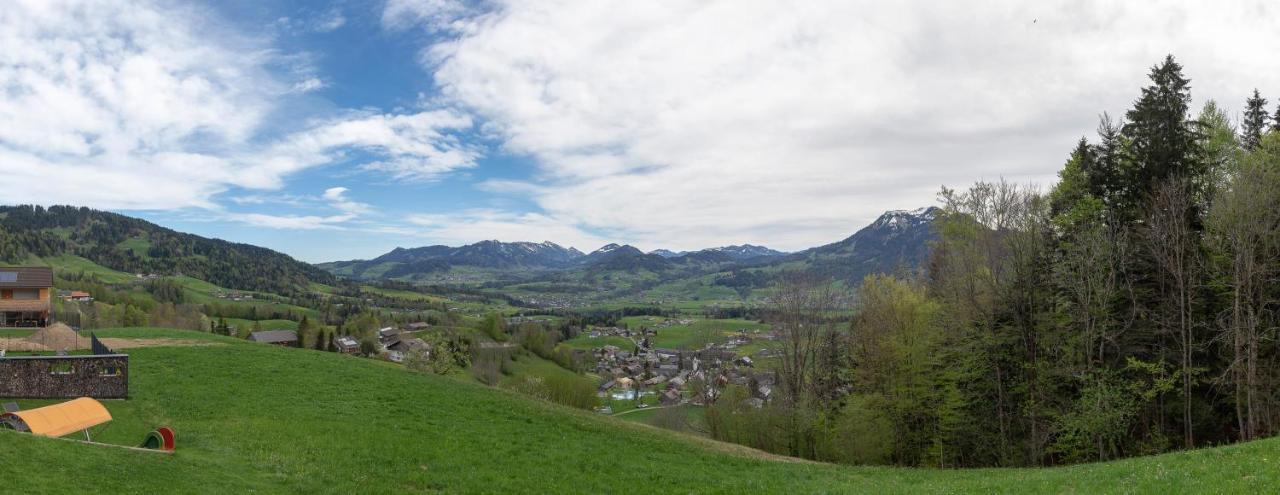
[132, 245]
[259, 418]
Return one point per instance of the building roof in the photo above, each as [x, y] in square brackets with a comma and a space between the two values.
[26, 277]
[345, 340]
[408, 344]
[274, 336]
[60, 419]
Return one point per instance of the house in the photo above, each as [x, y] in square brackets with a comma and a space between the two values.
[396, 351]
[387, 337]
[283, 338]
[25, 296]
[417, 326]
[670, 398]
[346, 344]
[75, 296]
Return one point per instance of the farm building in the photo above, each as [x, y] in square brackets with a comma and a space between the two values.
[25, 296]
[75, 296]
[283, 338]
[346, 344]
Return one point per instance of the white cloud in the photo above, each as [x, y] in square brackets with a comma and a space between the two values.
[333, 198]
[476, 225]
[439, 14]
[310, 22]
[415, 146]
[688, 124]
[308, 85]
[329, 22]
[337, 197]
[293, 222]
[142, 105]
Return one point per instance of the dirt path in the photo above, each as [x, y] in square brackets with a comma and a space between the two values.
[629, 411]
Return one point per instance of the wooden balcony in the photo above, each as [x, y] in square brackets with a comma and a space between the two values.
[25, 305]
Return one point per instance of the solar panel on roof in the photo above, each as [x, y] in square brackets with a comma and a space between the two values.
[8, 276]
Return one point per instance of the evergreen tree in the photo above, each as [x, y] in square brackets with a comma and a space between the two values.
[1107, 176]
[1163, 140]
[1255, 121]
[304, 328]
[1275, 120]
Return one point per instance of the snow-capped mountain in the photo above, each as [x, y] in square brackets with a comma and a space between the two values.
[898, 238]
[738, 253]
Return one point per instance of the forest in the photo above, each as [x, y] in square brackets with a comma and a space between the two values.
[1129, 310]
[97, 235]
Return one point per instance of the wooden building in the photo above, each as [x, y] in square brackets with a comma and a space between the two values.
[25, 296]
[283, 338]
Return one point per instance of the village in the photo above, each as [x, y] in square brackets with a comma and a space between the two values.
[677, 376]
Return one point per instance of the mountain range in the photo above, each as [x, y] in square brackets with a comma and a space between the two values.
[896, 238]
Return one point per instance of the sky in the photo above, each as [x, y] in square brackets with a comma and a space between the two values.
[342, 129]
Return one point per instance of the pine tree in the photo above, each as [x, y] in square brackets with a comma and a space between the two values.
[1164, 141]
[304, 328]
[1255, 121]
[1106, 178]
[1275, 120]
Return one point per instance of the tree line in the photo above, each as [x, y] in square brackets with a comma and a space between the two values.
[1129, 310]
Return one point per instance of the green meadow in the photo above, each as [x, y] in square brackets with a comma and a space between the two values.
[257, 418]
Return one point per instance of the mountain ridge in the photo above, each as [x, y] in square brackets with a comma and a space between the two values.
[895, 237]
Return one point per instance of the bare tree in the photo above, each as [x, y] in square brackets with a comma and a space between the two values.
[1174, 243]
[802, 312]
[1245, 226]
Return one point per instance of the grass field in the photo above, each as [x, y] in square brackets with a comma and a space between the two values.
[16, 333]
[69, 264]
[255, 418]
[693, 418]
[696, 334]
[587, 343]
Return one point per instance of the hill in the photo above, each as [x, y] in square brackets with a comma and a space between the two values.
[410, 262]
[260, 418]
[613, 257]
[133, 245]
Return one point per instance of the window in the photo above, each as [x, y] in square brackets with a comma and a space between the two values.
[6, 294]
[9, 277]
[63, 368]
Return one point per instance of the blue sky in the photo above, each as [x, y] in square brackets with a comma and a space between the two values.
[341, 129]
